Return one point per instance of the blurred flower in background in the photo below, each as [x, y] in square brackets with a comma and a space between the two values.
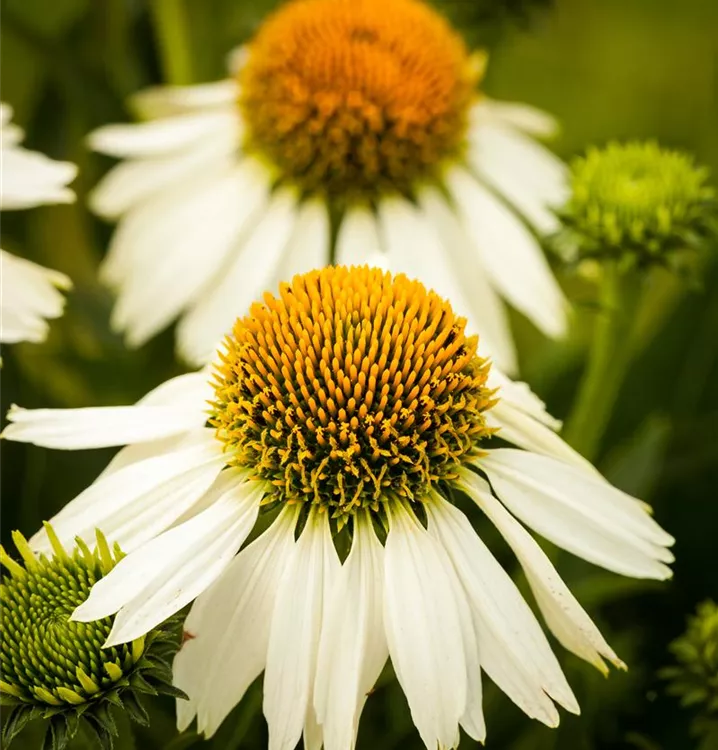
[56, 669]
[30, 293]
[349, 131]
[352, 400]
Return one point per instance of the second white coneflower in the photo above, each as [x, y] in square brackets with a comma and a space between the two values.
[353, 402]
[360, 109]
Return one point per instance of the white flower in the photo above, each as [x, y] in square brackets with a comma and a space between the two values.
[30, 297]
[29, 292]
[30, 178]
[357, 110]
[352, 400]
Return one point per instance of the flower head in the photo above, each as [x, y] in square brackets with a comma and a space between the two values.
[54, 667]
[360, 110]
[353, 403]
[370, 406]
[357, 98]
[637, 200]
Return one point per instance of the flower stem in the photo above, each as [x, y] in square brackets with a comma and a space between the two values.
[173, 33]
[610, 354]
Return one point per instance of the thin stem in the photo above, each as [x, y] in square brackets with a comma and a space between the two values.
[609, 357]
[173, 32]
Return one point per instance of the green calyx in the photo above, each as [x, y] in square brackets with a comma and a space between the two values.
[694, 678]
[53, 667]
[637, 200]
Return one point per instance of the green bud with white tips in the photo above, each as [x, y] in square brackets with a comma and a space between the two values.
[56, 668]
[636, 203]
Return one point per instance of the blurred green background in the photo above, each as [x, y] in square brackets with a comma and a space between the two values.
[608, 69]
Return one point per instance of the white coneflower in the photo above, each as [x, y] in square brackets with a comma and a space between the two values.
[354, 401]
[30, 293]
[360, 110]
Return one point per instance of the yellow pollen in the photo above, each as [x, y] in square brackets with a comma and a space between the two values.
[357, 96]
[349, 387]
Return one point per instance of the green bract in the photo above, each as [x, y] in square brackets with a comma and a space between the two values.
[695, 676]
[53, 667]
[636, 199]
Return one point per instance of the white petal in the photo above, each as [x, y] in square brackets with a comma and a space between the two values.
[423, 630]
[520, 429]
[295, 630]
[30, 178]
[358, 240]
[489, 314]
[308, 246]
[100, 427]
[352, 650]
[228, 629]
[242, 283]
[565, 617]
[29, 295]
[131, 183]
[413, 247]
[524, 117]
[164, 101]
[513, 649]
[198, 236]
[510, 253]
[522, 171]
[135, 503]
[522, 398]
[579, 512]
[190, 389]
[161, 137]
[158, 579]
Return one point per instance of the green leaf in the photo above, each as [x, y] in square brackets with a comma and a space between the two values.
[135, 710]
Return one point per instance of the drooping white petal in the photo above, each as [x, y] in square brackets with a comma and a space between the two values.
[423, 630]
[582, 513]
[512, 647]
[358, 238]
[352, 649]
[521, 116]
[308, 246]
[565, 617]
[521, 397]
[130, 184]
[161, 137]
[159, 578]
[97, 427]
[525, 173]
[196, 237]
[295, 630]
[489, 313]
[164, 101]
[30, 295]
[228, 629]
[510, 253]
[134, 504]
[30, 178]
[246, 277]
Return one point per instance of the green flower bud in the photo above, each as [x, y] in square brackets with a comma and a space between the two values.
[53, 667]
[636, 201]
[695, 676]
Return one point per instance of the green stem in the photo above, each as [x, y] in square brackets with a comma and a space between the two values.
[173, 32]
[609, 357]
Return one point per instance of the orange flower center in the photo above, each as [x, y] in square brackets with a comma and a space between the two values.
[350, 387]
[357, 96]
